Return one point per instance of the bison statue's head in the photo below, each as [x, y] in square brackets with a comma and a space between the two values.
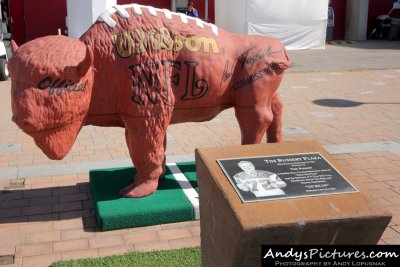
[52, 80]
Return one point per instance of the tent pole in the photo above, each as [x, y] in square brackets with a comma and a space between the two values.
[206, 10]
[173, 5]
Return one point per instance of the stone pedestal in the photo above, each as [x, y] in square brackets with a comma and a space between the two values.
[232, 232]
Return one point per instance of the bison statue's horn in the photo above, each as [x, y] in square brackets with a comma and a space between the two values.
[14, 46]
[84, 66]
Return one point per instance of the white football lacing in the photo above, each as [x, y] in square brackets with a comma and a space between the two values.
[120, 10]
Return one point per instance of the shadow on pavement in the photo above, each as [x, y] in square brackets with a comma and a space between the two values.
[344, 103]
[48, 204]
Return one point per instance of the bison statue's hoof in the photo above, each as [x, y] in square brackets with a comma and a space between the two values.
[140, 189]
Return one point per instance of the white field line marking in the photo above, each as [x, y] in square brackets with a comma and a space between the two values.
[187, 188]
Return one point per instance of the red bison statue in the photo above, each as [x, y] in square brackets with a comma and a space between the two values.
[143, 68]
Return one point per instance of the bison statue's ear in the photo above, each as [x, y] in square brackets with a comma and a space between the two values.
[84, 66]
[14, 46]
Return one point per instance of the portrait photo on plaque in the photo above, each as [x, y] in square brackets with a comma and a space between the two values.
[284, 176]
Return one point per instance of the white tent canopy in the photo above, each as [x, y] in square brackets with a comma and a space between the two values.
[299, 24]
[82, 14]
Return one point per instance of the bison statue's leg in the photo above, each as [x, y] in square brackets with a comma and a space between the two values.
[274, 131]
[258, 108]
[253, 122]
[145, 138]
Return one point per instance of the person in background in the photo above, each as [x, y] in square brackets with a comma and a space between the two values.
[4, 14]
[191, 11]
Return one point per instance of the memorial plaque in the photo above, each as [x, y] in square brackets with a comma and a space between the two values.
[284, 176]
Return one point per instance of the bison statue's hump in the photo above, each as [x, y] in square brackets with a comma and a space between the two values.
[143, 68]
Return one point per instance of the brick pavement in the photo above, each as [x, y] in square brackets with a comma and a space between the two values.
[48, 218]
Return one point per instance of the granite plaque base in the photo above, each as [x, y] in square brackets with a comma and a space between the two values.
[232, 231]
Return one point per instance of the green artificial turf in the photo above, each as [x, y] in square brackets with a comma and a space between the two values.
[187, 257]
[169, 204]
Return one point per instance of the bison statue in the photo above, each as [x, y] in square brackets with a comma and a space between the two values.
[144, 68]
